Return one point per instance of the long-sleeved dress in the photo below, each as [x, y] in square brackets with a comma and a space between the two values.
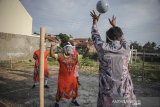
[37, 65]
[67, 83]
[115, 82]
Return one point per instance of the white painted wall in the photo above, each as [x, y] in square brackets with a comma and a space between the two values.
[14, 18]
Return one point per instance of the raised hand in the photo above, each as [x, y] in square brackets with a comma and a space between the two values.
[113, 21]
[94, 16]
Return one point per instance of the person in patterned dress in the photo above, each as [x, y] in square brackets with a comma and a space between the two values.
[67, 82]
[36, 73]
[78, 63]
[115, 83]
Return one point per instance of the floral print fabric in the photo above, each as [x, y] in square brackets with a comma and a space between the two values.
[114, 78]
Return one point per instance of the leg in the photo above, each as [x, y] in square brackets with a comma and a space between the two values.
[74, 102]
[57, 100]
[34, 84]
[78, 80]
[34, 80]
[46, 77]
[46, 82]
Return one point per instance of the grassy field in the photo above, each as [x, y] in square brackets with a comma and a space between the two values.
[89, 66]
[151, 70]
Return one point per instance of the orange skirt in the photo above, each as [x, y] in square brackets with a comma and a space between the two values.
[67, 87]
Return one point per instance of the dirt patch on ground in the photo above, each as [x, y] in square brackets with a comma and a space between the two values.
[16, 83]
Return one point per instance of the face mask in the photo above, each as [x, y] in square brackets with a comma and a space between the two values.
[68, 49]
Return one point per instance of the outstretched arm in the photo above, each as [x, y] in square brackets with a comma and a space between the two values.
[95, 19]
[52, 52]
[94, 32]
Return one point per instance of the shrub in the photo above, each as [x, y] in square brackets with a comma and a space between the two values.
[92, 56]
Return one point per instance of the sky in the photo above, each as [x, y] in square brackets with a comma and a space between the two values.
[139, 19]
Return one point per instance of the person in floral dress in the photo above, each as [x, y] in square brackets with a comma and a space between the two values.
[36, 73]
[115, 83]
[67, 82]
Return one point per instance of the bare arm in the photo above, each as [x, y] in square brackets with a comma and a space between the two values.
[94, 17]
[52, 53]
[96, 38]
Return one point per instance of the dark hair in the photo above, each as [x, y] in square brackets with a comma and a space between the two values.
[114, 33]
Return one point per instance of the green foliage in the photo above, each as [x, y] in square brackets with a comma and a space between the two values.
[150, 47]
[87, 65]
[64, 38]
[36, 33]
[151, 70]
[139, 60]
[88, 62]
[92, 56]
[137, 46]
[158, 49]
[89, 39]
[52, 61]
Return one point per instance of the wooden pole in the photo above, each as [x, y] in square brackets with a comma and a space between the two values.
[42, 49]
[136, 56]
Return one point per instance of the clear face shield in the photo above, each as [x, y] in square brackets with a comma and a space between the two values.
[68, 49]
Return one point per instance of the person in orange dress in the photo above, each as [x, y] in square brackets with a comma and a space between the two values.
[76, 68]
[36, 56]
[67, 82]
[76, 74]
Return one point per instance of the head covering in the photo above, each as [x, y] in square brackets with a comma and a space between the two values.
[68, 48]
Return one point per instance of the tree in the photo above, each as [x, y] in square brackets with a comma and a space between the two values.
[89, 39]
[64, 39]
[70, 36]
[150, 47]
[136, 45]
[153, 44]
[36, 33]
[158, 49]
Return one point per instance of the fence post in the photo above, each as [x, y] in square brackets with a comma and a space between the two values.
[131, 60]
[143, 65]
[136, 55]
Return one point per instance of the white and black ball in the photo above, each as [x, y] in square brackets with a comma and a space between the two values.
[102, 6]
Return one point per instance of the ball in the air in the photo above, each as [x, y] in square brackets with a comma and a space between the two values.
[102, 6]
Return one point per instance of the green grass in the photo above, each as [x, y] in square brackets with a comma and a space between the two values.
[88, 62]
[151, 70]
[86, 65]
[52, 61]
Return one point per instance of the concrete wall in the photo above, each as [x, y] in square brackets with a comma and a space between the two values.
[17, 47]
[14, 18]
